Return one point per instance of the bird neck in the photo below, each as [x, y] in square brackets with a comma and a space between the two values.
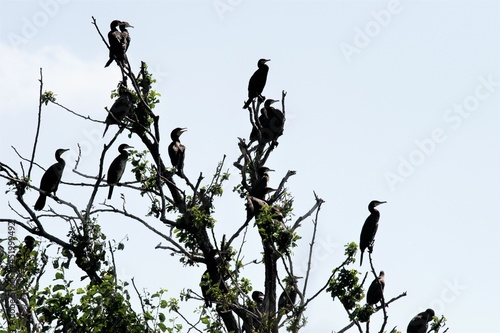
[60, 160]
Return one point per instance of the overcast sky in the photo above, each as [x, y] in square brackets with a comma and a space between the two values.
[387, 100]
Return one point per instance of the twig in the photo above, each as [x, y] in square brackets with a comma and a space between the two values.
[311, 245]
[318, 203]
[38, 123]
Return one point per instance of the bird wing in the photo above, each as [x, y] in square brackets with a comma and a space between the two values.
[116, 169]
[52, 177]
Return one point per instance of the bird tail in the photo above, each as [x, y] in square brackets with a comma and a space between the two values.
[109, 62]
[110, 193]
[40, 203]
[361, 260]
[247, 103]
[107, 125]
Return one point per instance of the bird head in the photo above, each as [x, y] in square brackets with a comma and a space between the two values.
[114, 24]
[263, 170]
[124, 24]
[124, 146]
[60, 151]
[29, 242]
[176, 133]
[430, 313]
[262, 61]
[375, 203]
[269, 102]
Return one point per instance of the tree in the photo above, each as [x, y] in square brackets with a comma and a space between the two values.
[186, 209]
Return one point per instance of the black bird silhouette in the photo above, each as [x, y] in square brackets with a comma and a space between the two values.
[257, 82]
[23, 254]
[259, 188]
[272, 122]
[29, 243]
[117, 167]
[120, 108]
[176, 150]
[115, 43]
[254, 205]
[51, 179]
[288, 297]
[369, 229]
[418, 324]
[125, 36]
[119, 41]
[376, 290]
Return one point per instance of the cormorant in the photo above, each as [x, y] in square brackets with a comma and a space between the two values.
[120, 108]
[115, 43]
[24, 251]
[117, 167]
[376, 290]
[51, 179]
[125, 36]
[257, 82]
[259, 188]
[272, 123]
[288, 297]
[369, 229]
[419, 323]
[176, 150]
[254, 205]
[29, 243]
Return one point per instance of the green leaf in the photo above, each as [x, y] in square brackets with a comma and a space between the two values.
[58, 287]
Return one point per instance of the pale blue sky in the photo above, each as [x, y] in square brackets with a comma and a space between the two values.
[358, 128]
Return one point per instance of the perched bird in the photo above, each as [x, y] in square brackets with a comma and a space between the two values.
[419, 323]
[369, 229]
[254, 205]
[51, 179]
[288, 297]
[258, 297]
[260, 188]
[271, 121]
[115, 42]
[257, 82]
[125, 35]
[376, 290]
[276, 122]
[176, 150]
[117, 167]
[120, 108]
[29, 243]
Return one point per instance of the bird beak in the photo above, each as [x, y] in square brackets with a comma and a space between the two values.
[266, 60]
[65, 150]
